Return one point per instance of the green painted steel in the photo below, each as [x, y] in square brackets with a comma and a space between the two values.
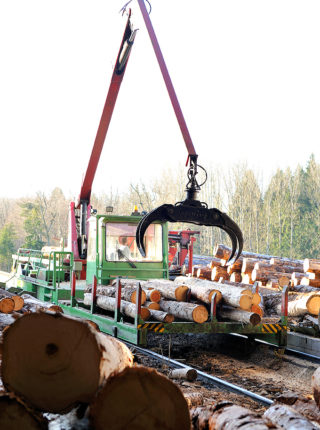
[49, 279]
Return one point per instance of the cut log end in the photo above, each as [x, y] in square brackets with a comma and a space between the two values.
[200, 314]
[151, 401]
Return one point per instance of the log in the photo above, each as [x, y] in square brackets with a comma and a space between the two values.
[217, 262]
[264, 275]
[287, 418]
[152, 305]
[315, 384]
[298, 304]
[234, 296]
[223, 251]
[139, 398]
[31, 304]
[194, 399]
[109, 304]
[185, 311]
[68, 360]
[18, 300]
[168, 289]
[267, 267]
[219, 272]
[237, 418]
[239, 315]
[311, 282]
[161, 316]
[128, 293]
[204, 272]
[200, 415]
[6, 320]
[15, 414]
[282, 261]
[152, 295]
[185, 373]
[248, 264]
[6, 305]
[311, 265]
[235, 277]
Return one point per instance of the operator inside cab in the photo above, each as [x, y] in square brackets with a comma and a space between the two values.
[123, 249]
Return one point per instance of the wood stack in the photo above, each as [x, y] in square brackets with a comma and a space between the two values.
[70, 363]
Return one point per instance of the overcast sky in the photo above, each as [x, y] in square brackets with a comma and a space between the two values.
[246, 73]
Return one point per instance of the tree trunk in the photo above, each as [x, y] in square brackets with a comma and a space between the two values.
[287, 418]
[168, 289]
[311, 265]
[152, 305]
[139, 398]
[219, 272]
[6, 305]
[239, 315]
[234, 296]
[223, 251]
[128, 293]
[185, 373]
[236, 418]
[15, 414]
[185, 311]
[109, 304]
[161, 316]
[281, 261]
[18, 300]
[298, 304]
[152, 295]
[68, 360]
[31, 304]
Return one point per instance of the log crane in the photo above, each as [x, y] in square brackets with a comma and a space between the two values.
[190, 210]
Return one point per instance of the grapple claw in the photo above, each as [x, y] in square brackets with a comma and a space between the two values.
[194, 213]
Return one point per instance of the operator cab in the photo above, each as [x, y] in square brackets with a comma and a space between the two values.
[113, 251]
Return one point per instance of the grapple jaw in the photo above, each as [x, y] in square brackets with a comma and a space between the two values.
[194, 212]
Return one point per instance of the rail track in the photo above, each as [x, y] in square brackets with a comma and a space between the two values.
[207, 378]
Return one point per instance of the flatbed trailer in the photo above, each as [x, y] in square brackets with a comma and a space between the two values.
[69, 294]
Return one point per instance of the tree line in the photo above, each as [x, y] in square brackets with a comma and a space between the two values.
[280, 219]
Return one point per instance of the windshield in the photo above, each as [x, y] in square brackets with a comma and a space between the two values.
[121, 242]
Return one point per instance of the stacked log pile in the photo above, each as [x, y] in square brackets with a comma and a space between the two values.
[271, 274]
[52, 364]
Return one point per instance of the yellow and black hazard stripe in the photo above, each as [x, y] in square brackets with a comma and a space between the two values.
[157, 327]
[272, 328]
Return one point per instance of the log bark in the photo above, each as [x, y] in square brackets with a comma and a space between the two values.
[287, 418]
[217, 262]
[15, 414]
[298, 304]
[185, 311]
[282, 261]
[235, 277]
[234, 296]
[266, 267]
[239, 315]
[152, 305]
[237, 418]
[185, 373]
[311, 282]
[139, 398]
[109, 304]
[311, 265]
[315, 384]
[200, 415]
[194, 399]
[128, 293]
[68, 360]
[219, 272]
[204, 292]
[161, 316]
[31, 304]
[204, 272]
[223, 251]
[152, 295]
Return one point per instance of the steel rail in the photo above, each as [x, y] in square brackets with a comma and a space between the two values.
[220, 383]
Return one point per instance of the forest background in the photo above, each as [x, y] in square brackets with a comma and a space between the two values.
[280, 219]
